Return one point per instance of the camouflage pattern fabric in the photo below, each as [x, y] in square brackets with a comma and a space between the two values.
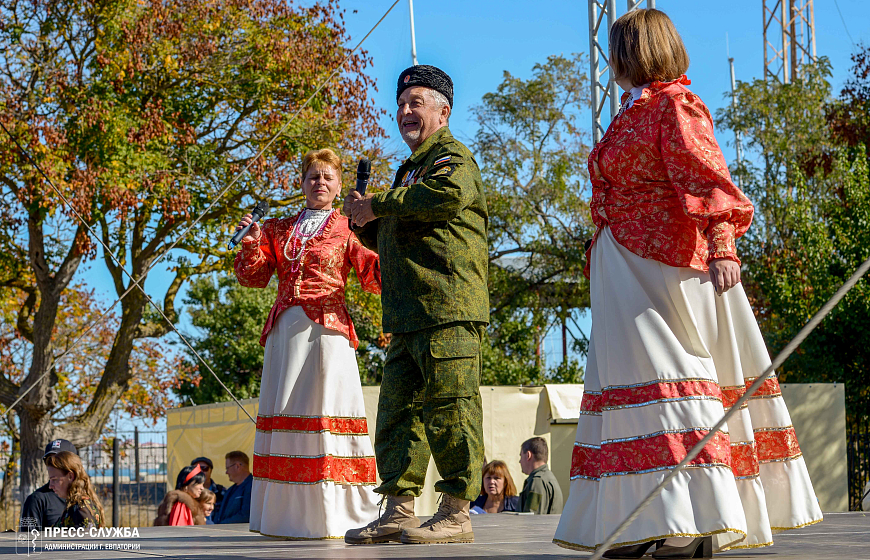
[431, 238]
[430, 400]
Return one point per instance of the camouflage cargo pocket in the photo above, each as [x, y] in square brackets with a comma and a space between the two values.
[454, 370]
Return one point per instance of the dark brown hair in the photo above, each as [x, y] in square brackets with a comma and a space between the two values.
[239, 456]
[538, 447]
[81, 491]
[645, 47]
[499, 468]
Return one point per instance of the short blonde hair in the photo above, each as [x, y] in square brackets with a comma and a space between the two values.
[321, 157]
[645, 47]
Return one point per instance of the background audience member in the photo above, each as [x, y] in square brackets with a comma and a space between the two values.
[68, 479]
[498, 492]
[43, 508]
[236, 506]
[206, 502]
[207, 468]
[541, 493]
[180, 506]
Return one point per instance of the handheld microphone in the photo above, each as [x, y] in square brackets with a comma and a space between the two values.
[260, 210]
[363, 170]
[362, 175]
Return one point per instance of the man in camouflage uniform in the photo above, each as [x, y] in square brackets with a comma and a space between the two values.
[430, 232]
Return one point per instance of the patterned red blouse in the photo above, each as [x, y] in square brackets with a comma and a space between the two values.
[660, 181]
[318, 284]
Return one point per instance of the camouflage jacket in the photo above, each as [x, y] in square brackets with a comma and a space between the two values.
[431, 238]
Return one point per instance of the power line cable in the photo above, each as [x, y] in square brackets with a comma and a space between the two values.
[136, 281]
[837, 4]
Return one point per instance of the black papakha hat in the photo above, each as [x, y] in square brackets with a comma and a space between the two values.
[426, 76]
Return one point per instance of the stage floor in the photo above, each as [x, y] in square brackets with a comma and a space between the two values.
[842, 536]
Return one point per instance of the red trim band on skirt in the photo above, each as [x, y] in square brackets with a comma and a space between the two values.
[770, 388]
[595, 402]
[648, 454]
[666, 450]
[311, 470]
[337, 426]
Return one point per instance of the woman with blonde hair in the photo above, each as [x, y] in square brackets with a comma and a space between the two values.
[674, 341]
[312, 445]
[67, 478]
[498, 492]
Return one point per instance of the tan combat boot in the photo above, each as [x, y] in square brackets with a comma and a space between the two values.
[398, 515]
[450, 524]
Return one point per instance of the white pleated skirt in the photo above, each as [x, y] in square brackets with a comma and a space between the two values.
[667, 358]
[314, 466]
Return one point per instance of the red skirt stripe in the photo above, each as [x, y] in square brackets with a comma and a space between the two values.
[664, 390]
[769, 388]
[646, 454]
[591, 402]
[585, 462]
[339, 426]
[776, 444]
[311, 470]
[744, 460]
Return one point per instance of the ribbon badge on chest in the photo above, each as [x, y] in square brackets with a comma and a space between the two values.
[410, 177]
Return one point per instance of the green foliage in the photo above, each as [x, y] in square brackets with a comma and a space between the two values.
[532, 151]
[230, 319]
[811, 189]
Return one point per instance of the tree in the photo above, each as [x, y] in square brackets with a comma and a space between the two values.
[532, 152]
[141, 113]
[153, 370]
[812, 198]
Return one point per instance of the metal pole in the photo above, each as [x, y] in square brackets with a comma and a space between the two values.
[136, 476]
[136, 435]
[594, 72]
[564, 340]
[612, 86]
[116, 483]
[785, 44]
[413, 39]
[737, 145]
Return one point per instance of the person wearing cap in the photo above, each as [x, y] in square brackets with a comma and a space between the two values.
[430, 231]
[207, 467]
[43, 508]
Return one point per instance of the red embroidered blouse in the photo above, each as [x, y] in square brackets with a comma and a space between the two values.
[660, 181]
[318, 284]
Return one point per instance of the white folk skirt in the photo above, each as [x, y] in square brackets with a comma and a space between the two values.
[314, 466]
[667, 358]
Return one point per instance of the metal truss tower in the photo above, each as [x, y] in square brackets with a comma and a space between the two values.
[789, 37]
[603, 85]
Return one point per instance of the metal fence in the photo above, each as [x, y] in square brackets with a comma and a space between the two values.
[135, 466]
[858, 452]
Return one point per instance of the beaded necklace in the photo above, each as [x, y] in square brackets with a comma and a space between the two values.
[310, 224]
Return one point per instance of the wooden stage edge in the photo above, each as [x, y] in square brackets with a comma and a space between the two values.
[841, 536]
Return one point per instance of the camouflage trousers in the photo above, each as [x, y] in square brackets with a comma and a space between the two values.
[430, 405]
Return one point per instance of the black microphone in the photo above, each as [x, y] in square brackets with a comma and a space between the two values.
[362, 175]
[260, 210]
[363, 170]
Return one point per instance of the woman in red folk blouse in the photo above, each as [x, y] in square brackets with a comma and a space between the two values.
[674, 342]
[314, 466]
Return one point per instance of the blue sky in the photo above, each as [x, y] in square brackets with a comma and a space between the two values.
[475, 41]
